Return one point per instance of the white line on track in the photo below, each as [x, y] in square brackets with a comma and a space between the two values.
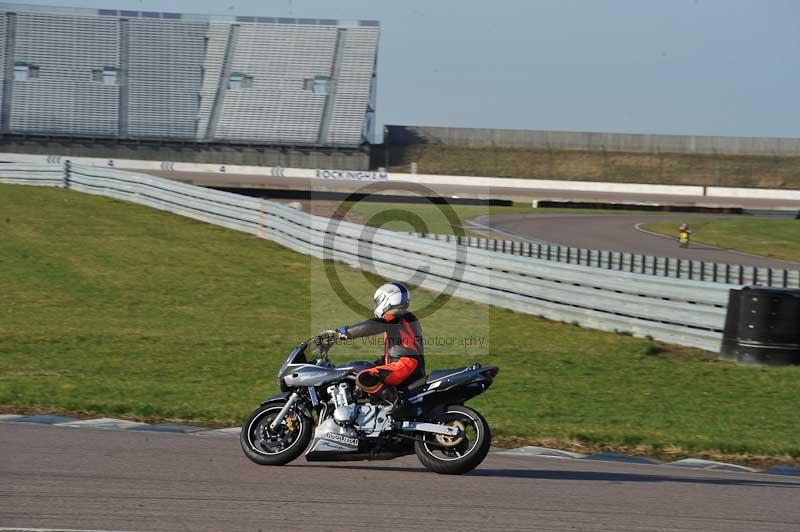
[21, 529]
[639, 227]
[706, 246]
[473, 224]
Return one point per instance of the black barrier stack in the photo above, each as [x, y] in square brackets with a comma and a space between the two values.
[730, 334]
[762, 327]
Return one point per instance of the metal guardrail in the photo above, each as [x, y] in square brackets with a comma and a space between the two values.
[715, 272]
[684, 312]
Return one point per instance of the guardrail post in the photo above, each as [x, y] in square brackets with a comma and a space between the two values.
[691, 269]
[785, 278]
[715, 272]
[67, 172]
[755, 274]
[666, 267]
[727, 273]
[769, 276]
[741, 274]
[558, 253]
[678, 269]
[702, 270]
[549, 251]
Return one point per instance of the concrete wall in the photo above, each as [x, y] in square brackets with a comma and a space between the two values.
[518, 138]
[193, 153]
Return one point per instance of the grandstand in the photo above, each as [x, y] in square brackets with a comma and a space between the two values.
[191, 79]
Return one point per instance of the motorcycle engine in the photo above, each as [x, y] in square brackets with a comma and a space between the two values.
[344, 408]
[372, 420]
[368, 419]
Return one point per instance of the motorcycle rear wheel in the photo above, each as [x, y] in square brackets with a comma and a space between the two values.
[286, 443]
[456, 456]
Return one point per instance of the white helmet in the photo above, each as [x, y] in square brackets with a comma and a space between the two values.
[390, 296]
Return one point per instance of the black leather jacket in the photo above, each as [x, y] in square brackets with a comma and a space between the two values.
[402, 337]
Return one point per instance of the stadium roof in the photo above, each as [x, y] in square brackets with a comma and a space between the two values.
[8, 6]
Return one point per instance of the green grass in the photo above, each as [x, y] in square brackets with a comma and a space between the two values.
[581, 165]
[777, 238]
[122, 310]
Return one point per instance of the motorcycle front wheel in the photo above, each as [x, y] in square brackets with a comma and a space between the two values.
[280, 446]
[456, 455]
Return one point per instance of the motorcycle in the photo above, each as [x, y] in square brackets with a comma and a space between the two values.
[683, 239]
[320, 411]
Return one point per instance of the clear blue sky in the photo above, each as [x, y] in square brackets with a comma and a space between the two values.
[706, 67]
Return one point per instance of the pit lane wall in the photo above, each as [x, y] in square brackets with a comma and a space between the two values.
[683, 312]
[425, 179]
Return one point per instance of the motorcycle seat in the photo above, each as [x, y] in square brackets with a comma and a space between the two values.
[418, 385]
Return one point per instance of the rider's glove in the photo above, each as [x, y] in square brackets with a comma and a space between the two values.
[330, 334]
[339, 334]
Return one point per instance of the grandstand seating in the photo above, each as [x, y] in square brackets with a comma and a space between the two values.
[109, 73]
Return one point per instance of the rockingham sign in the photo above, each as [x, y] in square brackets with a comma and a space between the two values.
[352, 175]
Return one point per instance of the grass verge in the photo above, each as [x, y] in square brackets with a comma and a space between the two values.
[580, 165]
[117, 309]
[776, 238]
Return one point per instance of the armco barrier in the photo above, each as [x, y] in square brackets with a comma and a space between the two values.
[718, 193]
[715, 272]
[676, 311]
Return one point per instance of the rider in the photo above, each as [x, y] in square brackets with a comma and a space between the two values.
[403, 357]
[684, 233]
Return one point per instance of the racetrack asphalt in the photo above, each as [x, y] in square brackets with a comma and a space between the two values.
[66, 478]
[619, 232]
[607, 232]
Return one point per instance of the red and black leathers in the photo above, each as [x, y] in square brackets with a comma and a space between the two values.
[403, 345]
